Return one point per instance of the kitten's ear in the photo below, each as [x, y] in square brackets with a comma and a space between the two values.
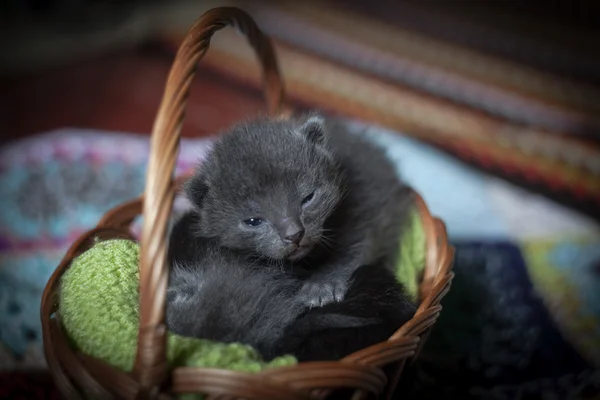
[195, 189]
[314, 129]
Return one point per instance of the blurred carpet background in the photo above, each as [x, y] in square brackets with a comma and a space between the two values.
[530, 126]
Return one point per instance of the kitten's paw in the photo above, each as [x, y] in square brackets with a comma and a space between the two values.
[318, 294]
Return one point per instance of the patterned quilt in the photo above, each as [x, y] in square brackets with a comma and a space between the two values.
[522, 319]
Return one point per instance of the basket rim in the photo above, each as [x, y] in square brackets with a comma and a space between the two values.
[406, 339]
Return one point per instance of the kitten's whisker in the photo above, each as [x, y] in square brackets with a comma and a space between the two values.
[253, 262]
[326, 238]
[308, 264]
[327, 243]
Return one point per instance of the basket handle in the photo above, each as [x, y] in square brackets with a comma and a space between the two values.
[150, 368]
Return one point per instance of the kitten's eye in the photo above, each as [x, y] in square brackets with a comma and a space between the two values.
[308, 198]
[253, 221]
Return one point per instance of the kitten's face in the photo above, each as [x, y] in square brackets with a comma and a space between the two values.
[268, 187]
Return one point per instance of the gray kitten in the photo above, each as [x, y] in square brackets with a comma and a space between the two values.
[215, 294]
[302, 194]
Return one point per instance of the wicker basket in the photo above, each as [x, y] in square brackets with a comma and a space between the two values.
[78, 375]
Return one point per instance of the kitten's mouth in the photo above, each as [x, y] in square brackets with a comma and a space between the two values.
[299, 252]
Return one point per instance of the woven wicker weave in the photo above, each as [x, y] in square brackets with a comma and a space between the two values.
[78, 375]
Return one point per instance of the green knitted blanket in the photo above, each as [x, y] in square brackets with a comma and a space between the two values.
[99, 308]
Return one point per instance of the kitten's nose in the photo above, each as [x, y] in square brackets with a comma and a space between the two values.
[295, 236]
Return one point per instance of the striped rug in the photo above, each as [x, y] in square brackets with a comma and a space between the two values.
[527, 124]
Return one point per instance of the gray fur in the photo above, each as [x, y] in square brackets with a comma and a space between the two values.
[265, 168]
[215, 294]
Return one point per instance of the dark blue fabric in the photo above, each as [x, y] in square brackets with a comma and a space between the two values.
[495, 339]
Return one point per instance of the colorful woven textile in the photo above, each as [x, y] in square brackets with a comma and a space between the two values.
[55, 187]
[506, 328]
[366, 60]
